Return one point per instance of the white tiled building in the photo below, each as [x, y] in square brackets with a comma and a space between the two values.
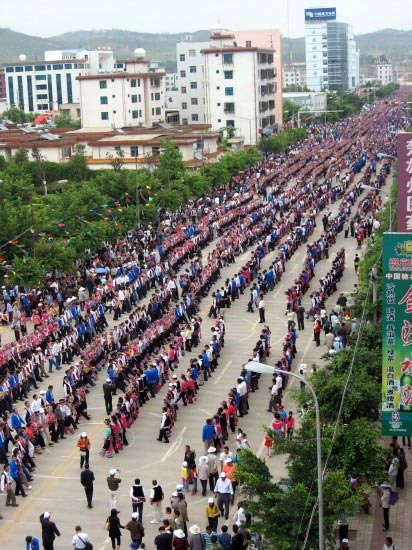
[131, 95]
[384, 73]
[239, 87]
[294, 74]
[40, 86]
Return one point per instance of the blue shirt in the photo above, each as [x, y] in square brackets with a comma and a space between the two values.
[34, 545]
[208, 432]
[225, 540]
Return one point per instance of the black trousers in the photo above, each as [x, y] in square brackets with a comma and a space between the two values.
[89, 494]
[138, 507]
[386, 518]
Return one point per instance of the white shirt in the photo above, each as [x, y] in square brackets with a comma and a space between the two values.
[223, 485]
[261, 304]
[77, 543]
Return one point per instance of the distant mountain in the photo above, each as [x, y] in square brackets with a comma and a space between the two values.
[161, 47]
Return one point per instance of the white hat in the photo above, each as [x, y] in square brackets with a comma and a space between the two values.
[135, 515]
[223, 474]
[83, 434]
[345, 540]
[46, 515]
[228, 460]
[108, 380]
[211, 450]
[42, 392]
[112, 472]
[179, 534]
[203, 460]
[184, 464]
[174, 494]
[195, 530]
[211, 501]
[385, 484]
[179, 486]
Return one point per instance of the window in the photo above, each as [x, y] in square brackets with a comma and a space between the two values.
[69, 88]
[59, 89]
[195, 117]
[134, 150]
[230, 124]
[40, 67]
[58, 67]
[229, 107]
[217, 71]
[194, 101]
[133, 83]
[135, 114]
[9, 69]
[228, 75]
[229, 91]
[104, 115]
[133, 98]
[193, 69]
[42, 96]
[184, 105]
[217, 87]
[156, 150]
[41, 87]
[182, 57]
[103, 84]
[40, 77]
[157, 96]
[227, 58]
[182, 74]
[28, 68]
[248, 43]
[193, 85]
[158, 110]
[67, 65]
[184, 121]
[183, 89]
[104, 100]
[192, 53]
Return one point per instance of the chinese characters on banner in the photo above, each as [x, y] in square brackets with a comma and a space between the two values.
[397, 334]
[404, 141]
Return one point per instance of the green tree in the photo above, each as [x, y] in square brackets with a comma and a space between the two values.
[290, 110]
[64, 121]
[77, 165]
[16, 115]
[117, 161]
[170, 166]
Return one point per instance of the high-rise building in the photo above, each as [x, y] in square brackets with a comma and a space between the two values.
[332, 60]
[245, 92]
[40, 86]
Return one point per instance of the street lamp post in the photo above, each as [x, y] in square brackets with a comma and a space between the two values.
[254, 366]
[51, 183]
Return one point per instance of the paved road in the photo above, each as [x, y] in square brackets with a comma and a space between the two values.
[57, 486]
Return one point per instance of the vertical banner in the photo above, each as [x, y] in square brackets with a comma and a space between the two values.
[397, 334]
[404, 145]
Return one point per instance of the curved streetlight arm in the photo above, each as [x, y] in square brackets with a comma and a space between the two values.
[254, 366]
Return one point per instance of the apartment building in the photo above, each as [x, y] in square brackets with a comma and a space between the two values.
[294, 75]
[384, 73]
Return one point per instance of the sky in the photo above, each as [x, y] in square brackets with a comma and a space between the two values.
[44, 18]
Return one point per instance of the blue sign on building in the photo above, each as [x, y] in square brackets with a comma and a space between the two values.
[320, 14]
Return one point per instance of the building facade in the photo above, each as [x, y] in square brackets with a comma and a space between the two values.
[308, 101]
[332, 60]
[41, 86]
[131, 95]
[294, 75]
[384, 73]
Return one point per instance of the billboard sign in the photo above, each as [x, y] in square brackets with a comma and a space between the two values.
[404, 145]
[397, 334]
[320, 14]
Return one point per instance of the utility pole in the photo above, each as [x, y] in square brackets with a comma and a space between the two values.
[32, 223]
[137, 197]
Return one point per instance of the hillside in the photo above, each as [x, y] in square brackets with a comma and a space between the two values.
[161, 47]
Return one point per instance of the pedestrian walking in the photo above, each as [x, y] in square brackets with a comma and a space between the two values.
[208, 433]
[224, 493]
[114, 528]
[113, 481]
[165, 424]
[108, 390]
[195, 538]
[203, 472]
[261, 308]
[49, 531]
[81, 541]
[212, 513]
[136, 529]
[163, 541]
[86, 479]
[356, 263]
[138, 498]
[84, 448]
[156, 499]
[388, 544]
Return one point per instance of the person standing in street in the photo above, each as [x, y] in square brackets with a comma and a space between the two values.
[6, 486]
[113, 481]
[138, 498]
[261, 308]
[300, 315]
[388, 545]
[48, 531]
[84, 448]
[80, 539]
[108, 395]
[164, 426]
[86, 479]
[163, 541]
[156, 499]
[386, 495]
[136, 529]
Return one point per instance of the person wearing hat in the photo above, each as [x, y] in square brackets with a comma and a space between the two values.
[230, 468]
[203, 472]
[48, 531]
[84, 448]
[386, 495]
[195, 538]
[113, 481]
[108, 391]
[179, 540]
[87, 479]
[213, 464]
[136, 529]
[224, 492]
[114, 528]
[212, 513]
[344, 544]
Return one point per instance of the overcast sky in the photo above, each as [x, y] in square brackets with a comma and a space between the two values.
[51, 17]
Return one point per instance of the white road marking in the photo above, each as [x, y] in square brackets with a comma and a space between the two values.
[174, 445]
[223, 372]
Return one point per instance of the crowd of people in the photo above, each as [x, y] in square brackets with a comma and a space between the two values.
[139, 355]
